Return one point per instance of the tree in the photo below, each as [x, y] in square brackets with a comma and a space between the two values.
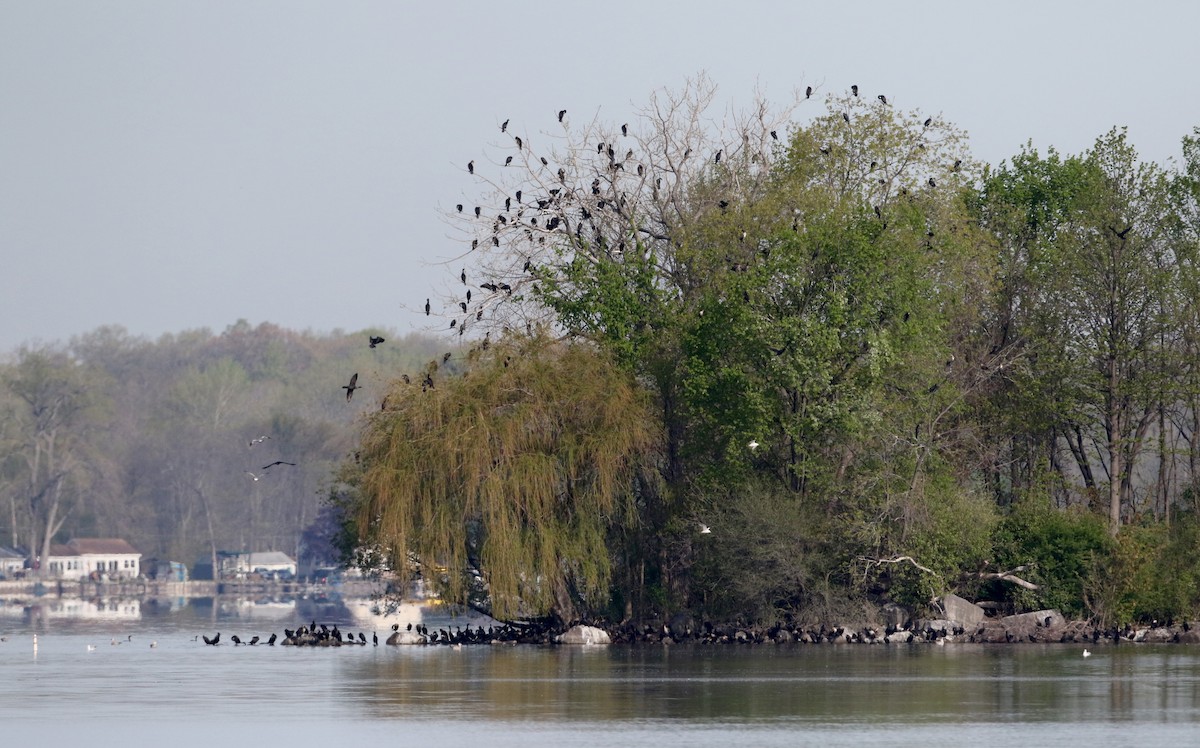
[510, 475]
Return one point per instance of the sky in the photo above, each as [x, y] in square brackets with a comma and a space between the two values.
[167, 166]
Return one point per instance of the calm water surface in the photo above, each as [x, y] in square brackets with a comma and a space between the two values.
[508, 696]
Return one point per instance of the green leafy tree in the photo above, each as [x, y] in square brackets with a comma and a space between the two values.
[511, 475]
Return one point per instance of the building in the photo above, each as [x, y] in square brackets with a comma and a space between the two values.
[95, 559]
[12, 562]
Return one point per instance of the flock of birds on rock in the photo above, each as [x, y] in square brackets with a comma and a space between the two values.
[322, 635]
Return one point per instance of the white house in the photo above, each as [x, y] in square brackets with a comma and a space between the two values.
[11, 562]
[94, 558]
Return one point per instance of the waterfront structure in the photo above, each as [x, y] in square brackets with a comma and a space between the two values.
[94, 559]
[267, 563]
[12, 561]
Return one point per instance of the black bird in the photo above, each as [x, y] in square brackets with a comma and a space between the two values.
[375, 638]
[503, 125]
[235, 640]
[463, 276]
[253, 641]
[561, 113]
[508, 161]
[808, 92]
[717, 160]
[957, 164]
[846, 117]
[854, 90]
[213, 641]
[376, 341]
[426, 307]
[281, 462]
[463, 304]
[458, 207]
[932, 183]
[468, 290]
[625, 129]
[882, 98]
[928, 121]
[446, 357]
[470, 167]
[362, 637]
[350, 388]
[518, 139]
[774, 135]
[478, 210]
[271, 641]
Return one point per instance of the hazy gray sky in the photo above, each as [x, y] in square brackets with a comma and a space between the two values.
[172, 165]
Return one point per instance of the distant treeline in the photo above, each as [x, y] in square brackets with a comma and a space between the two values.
[187, 444]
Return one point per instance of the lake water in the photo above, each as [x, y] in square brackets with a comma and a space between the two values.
[189, 694]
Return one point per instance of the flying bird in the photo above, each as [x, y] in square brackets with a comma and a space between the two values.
[253, 477]
[753, 445]
[259, 440]
[376, 341]
[350, 388]
[561, 113]
[281, 462]
[705, 529]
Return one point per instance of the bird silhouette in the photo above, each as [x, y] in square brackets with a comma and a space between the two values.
[519, 143]
[508, 161]
[271, 641]
[705, 529]
[376, 341]
[446, 357]
[503, 125]
[426, 307]
[470, 167]
[236, 641]
[458, 207]
[253, 477]
[774, 135]
[808, 92]
[561, 113]
[846, 117]
[253, 641]
[625, 129]
[717, 160]
[928, 121]
[213, 641]
[753, 445]
[854, 90]
[932, 183]
[350, 388]
[882, 98]
[281, 462]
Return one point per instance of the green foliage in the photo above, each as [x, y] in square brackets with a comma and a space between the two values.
[1061, 550]
[512, 474]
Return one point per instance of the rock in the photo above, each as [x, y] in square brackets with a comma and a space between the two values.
[896, 616]
[1158, 635]
[1191, 636]
[682, 626]
[938, 625]
[992, 632]
[962, 611]
[584, 635]
[899, 637]
[405, 637]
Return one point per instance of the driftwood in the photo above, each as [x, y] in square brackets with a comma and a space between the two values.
[896, 560]
[1010, 576]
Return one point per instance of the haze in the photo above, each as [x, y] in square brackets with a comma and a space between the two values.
[168, 166]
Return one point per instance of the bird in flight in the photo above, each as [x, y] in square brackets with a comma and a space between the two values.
[753, 445]
[253, 477]
[259, 440]
[705, 529]
[350, 388]
[376, 341]
[278, 462]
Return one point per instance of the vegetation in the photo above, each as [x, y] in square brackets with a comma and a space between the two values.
[772, 367]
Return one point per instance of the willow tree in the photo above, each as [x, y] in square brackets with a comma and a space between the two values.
[510, 476]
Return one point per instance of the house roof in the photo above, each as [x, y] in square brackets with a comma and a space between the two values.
[6, 552]
[101, 546]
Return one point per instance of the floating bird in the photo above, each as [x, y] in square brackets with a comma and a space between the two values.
[753, 445]
[350, 388]
[470, 167]
[376, 341]
[1086, 653]
[281, 462]
[705, 529]
[91, 647]
[854, 90]
[153, 645]
[561, 113]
